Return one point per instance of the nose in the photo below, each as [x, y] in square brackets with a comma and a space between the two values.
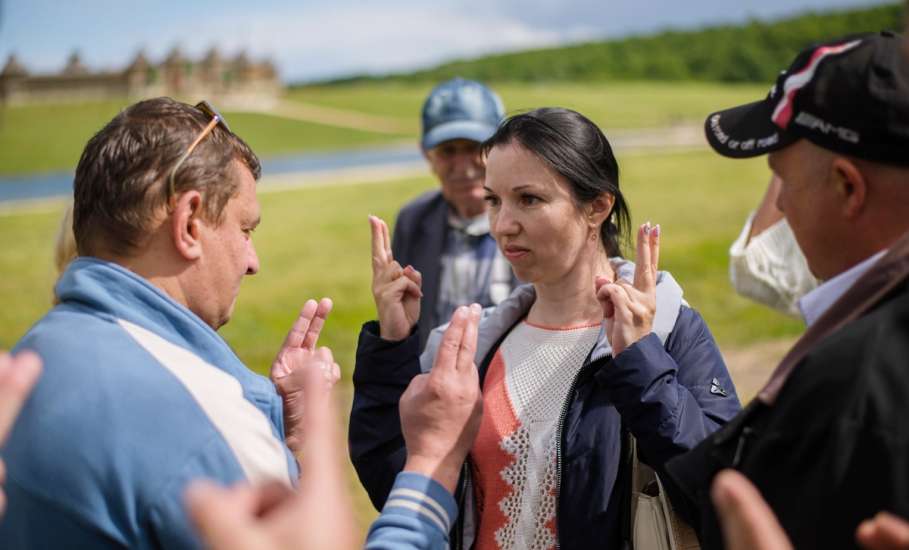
[468, 163]
[252, 259]
[502, 222]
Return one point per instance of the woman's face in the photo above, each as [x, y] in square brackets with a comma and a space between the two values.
[533, 216]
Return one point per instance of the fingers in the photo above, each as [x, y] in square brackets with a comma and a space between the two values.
[644, 275]
[414, 275]
[387, 239]
[615, 300]
[655, 235]
[468, 349]
[18, 374]
[746, 519]
[404, 285]
[318, 321]
[381, 251]
[300, 327]
[883, 532]
[603, 296]
[447, 356]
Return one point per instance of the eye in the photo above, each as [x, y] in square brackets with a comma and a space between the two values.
[492, 200]
[529, 200]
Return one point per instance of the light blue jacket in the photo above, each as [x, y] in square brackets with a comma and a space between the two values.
[138, 397]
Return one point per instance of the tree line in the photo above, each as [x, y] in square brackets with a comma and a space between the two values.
[751, 52]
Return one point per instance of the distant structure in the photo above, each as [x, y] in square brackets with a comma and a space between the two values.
[236, 81]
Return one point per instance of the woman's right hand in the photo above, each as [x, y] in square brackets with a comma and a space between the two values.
[396, 290]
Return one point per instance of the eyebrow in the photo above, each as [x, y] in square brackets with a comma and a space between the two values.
[518, 188]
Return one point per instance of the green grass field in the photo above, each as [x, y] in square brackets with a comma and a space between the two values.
[42, 138]
[51, 137]
[613, 105]
[315, 242]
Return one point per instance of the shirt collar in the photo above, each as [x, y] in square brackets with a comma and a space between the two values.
[475, 227]
[819, 300]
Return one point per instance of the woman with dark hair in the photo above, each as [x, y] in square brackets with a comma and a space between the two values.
[569, 364]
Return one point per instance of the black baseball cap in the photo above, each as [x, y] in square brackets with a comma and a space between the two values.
[849, 95]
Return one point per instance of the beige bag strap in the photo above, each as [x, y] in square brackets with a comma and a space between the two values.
[643, 478]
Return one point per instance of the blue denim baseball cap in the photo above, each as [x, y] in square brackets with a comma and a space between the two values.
[460, 109]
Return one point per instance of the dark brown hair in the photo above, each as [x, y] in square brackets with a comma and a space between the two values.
[122, 177]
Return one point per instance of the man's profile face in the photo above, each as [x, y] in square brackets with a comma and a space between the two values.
[807, 201]
[228, 253]
[459, 166]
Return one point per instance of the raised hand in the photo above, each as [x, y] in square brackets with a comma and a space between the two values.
[396, 290]
[17, 377]
[629, 308]
[297, 356]
[441, 411]
[883, 532]
[271, 517]
[747, 521]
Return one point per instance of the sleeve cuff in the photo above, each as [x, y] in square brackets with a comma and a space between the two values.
[418, 496]
[383, 360]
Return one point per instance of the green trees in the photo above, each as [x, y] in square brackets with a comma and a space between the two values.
[752, 52]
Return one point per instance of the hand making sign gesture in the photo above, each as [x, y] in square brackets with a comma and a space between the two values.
[441, 410]
[298, 354]
[629, 308]
[396, 290]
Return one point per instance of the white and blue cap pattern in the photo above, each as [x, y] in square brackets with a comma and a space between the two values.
[460, 109]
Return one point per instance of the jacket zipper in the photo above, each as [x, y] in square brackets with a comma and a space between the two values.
[560, 430]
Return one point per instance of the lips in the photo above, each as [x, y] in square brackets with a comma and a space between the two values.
[513, 252]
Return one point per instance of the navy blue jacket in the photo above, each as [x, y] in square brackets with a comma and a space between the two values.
[671, 390]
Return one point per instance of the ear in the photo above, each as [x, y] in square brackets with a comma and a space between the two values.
[599, 209]
[850, 185]
[186, 225]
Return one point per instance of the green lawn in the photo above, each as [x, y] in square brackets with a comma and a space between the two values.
[315, 242]
[51, 137]
[613, 105]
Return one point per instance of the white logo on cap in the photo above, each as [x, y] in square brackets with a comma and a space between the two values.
[813, 122]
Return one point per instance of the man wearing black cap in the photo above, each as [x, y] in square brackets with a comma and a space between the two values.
[825, 441]
[444, 233]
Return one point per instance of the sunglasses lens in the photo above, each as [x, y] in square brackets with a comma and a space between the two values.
[210, 110]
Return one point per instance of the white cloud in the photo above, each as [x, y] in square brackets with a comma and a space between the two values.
[309, 44]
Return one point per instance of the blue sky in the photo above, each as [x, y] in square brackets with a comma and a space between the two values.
[321, 38]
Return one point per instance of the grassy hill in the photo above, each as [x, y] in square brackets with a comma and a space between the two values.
[750, 52]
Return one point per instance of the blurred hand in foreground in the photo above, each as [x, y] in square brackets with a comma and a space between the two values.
[18, 375]
[748, 523]
[290, 370]
[272, 517]
[396, 290]
[441, 410]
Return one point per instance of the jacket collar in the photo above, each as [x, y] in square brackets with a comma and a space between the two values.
[107, 289]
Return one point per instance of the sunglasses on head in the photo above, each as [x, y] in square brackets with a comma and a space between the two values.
[217, 119]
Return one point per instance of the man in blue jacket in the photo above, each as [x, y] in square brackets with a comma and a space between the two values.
[140, 394]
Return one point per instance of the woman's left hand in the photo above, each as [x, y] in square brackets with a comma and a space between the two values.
[629, 308]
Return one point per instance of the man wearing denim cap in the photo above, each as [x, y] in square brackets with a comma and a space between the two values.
[444, 234]
[825, 441]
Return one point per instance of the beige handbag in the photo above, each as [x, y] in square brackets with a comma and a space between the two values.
[654, 525]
